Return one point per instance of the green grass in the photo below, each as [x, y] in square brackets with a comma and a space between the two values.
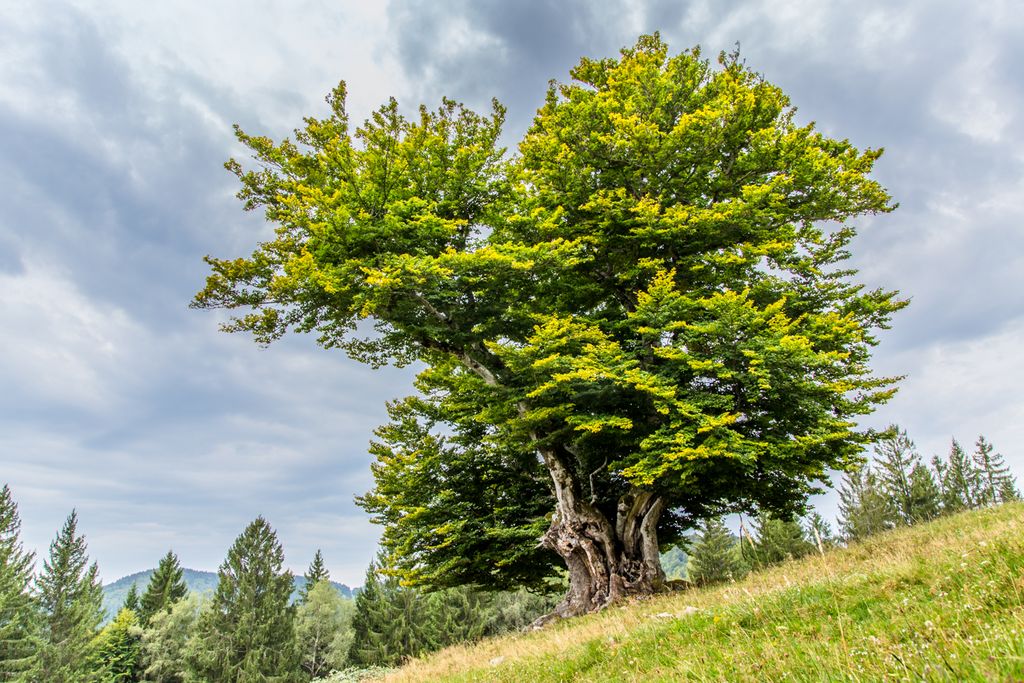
[937, 602]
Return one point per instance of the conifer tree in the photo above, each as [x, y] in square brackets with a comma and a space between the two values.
[1008, 492]
[716, 555]
[246, 634]
[70, 596]
[959, 482]
[317, 572]
[775, 540]
[115, 655]
[375, 622]
[864, 509]
[453, 616]
[896, 457]
[166, 587]
[18, 615]
[131, 600]
[992, 472]
[925, 496]
[819, 532]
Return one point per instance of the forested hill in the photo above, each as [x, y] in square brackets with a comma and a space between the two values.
[197, 581]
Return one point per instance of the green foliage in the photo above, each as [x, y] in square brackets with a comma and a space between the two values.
[199, 582]
[317, 572]
[649, 295]
[165, 642]
[819, 532]
[18, 614]
[131, 600]
[246, 632]
[903, 477]
[69, 595]
[323, 633]
[166, 587]
[392, 623]
[383, 632]
[993, 474]
[959, 481]
[775, 540]
[716, 555]
[864, 507]
[457, 508]
[925, 497]
[116, 652]
[674, 562]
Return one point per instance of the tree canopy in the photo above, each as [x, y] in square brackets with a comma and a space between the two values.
[639, 321]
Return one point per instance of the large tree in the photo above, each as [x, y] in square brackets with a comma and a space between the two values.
[246, 632]
[18, 614]
[70, 595]
[637, 322]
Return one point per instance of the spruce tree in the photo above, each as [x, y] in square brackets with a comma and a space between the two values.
[166, 587]
[246, 634]
[384, 626]
[716, 556]
[116, 653]
[454, 615]
[864, 508]
[819, 532]
[925, 496]
[1008, 492]
[70, 596]
[775, 540]
[131, 600]
[992, 472]
[18, 615]
[960, 481]
[317, 572]
[896, 457]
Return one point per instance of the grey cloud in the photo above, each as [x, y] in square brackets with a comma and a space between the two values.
[479, 50]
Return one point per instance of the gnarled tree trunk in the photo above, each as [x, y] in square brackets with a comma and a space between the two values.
[606, 562]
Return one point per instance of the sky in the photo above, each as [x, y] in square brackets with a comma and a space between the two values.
[115, 121]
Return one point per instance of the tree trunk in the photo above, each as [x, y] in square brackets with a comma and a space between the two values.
[606, 562]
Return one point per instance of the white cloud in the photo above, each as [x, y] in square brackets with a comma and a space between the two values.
[971, 100]
[61, 347]
[963, 389]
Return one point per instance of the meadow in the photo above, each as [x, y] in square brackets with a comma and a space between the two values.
[942, 601]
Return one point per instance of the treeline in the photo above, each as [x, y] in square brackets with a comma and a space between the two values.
[248, 630]
[897, 488]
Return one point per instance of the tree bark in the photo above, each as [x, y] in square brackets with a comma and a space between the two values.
[606, 562]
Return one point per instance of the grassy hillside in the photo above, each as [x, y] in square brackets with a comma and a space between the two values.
[203, 583]
[942, 601]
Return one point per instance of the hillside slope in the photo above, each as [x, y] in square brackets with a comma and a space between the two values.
[942, 601]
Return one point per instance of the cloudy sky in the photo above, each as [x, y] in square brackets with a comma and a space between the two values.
[115, 120]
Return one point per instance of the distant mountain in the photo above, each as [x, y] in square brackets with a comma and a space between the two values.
[202, 583]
